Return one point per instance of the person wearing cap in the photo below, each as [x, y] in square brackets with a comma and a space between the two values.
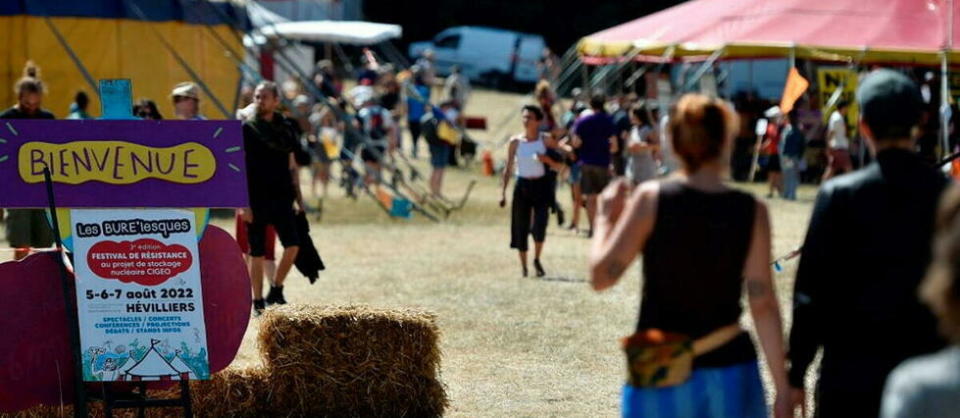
[186, 101]
[866, 251]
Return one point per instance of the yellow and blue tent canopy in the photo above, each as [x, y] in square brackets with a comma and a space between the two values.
[122, 39]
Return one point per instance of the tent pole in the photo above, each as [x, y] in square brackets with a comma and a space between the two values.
[944, 106]
[793, 57]
[570, 63]
[287, 65]
[614, 70]
[945, 111]
[73, 55]
[585, 79]
[703, 69]
[183, 63]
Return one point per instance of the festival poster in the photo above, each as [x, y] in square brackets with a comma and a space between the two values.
[830, 80]
[139, 298]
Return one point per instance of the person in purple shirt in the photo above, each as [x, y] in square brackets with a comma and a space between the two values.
[595, 137]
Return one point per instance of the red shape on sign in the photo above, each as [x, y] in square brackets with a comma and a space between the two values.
[36, 365]
[146, 262]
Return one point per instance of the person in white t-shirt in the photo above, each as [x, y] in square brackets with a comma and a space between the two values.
[668, 161]
[838, 145]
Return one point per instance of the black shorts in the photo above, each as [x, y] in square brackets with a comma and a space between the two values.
[594, 179]
[373, 154]
[773, 164]
[276, 212]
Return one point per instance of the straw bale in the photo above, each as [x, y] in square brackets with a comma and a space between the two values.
[232, 393]
[341, 361]
[229, 393]
[47, 411]
[352, 361]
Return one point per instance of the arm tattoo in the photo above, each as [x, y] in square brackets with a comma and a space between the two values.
[615, 269]
[757, 289]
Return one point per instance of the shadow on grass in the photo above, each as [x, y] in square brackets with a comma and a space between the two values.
[563, 279]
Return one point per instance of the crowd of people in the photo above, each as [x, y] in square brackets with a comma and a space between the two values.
[877, 236]
[866, 256]
[586, 145]
[286, 128]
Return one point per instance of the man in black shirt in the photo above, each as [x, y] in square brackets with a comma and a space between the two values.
[866, 251]
[27, 228]
[272, 181]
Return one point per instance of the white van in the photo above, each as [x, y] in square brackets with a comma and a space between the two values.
[486, 55]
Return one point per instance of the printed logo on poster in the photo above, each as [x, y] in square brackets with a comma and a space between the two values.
[139, 297]
[832, 79]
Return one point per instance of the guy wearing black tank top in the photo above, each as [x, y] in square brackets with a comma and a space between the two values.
[866, 251]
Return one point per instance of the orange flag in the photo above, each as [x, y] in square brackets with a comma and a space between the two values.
[792, 91]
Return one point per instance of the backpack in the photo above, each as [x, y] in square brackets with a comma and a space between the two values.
[429, 128]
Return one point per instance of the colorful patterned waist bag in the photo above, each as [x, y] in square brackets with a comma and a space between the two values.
[659, 359]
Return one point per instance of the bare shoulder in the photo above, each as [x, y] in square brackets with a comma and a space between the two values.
[761, 209]
[761, 217]
[645, 195]
[648, 189]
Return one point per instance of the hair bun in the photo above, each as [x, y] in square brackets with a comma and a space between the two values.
[31, 70]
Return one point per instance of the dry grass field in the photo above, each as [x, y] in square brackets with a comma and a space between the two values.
[511, 346]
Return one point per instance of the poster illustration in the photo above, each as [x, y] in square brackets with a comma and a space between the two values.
[844, 79]
[139, 298]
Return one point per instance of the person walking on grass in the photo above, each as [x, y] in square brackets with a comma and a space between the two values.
[838, 145]
[770, 152]
[703, 244]
[543, 93]
[642, 143]
[274, 189]
[791, 155]
[417, 98]
[595, 138]
[27, 228]
[532, 193]
[573, 163]
[865, 253]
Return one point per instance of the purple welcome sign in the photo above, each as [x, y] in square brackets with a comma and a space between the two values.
[110, 163]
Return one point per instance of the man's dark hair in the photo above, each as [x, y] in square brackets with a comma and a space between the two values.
[843, 104]
[794, 118]
[82, 100]
[640, 111]
[534, 110]
[597, 101]
[888, 129]
[271, 86]
[890, 104]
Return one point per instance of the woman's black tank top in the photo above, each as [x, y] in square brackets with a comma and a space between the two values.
[693, 267]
